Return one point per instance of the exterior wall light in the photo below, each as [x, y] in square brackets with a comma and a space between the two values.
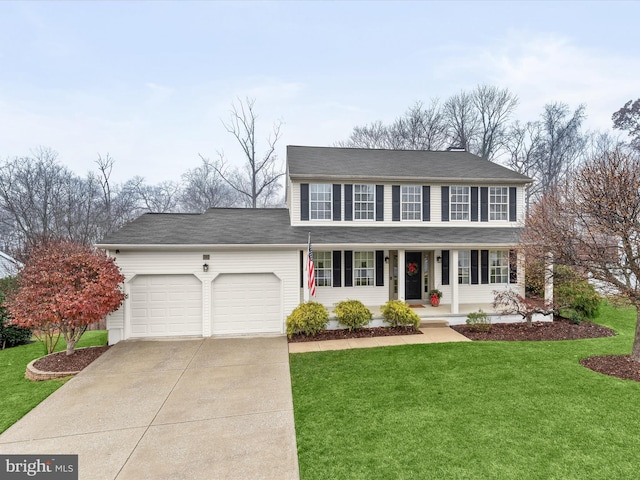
[439, 259]
[205, 267]
[386, 259]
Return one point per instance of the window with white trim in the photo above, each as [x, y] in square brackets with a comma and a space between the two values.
[464, 267]
[459, 203]
[364, 202]
[498, 203]
[320, 201]
[322, 268]
[498, 266]
[363, 268]
[411, 202]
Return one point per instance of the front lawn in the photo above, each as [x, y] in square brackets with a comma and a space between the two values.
[19, 395]
[500, 410]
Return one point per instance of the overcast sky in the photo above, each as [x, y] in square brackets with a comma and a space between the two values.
[149, 82]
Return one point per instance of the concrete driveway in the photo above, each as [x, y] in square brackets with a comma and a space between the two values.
[192, 409]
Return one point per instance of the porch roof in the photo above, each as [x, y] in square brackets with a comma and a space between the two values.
[270, 227]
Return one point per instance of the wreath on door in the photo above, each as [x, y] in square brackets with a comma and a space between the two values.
[412, 269]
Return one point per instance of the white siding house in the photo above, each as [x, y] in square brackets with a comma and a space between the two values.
[384, 224]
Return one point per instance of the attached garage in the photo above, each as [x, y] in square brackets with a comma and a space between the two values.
[246, 303]
[166, 305]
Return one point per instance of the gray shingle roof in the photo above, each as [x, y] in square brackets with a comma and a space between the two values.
[270, 226]
[342, 163]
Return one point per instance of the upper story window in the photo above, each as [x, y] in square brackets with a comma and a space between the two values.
[322, 268]
[364, 202]
[464, 267]
[498, 203]
[320, 201]
[411, 202]
[459, 203]
[498, 266]
[363, 268]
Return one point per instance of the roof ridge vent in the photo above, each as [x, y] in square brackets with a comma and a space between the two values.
[456, 149]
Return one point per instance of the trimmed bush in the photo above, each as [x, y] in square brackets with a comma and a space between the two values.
[307, 318]
[13, 335]
[577, 298]
[352, 314]
[479, 321]
[397, 312]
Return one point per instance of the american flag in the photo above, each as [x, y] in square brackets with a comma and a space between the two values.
[311, 274]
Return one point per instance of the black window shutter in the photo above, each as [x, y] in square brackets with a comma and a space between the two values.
[337, 201]
[484, 204]
[445, 267]
[379, 268]
[304, 201]
[474, 204]
[512, 204]
[337, 268]
[348, 202]
[395, 203]
[484, 267]
[445, 204]
[379, 203]
[426, 203]
[348, 268]
[513, 266]
[301, 268]
[474, 267]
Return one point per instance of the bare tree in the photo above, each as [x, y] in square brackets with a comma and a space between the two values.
[462, 121]
[160, 198]
[494, 106]
[204, 188]
[257, 182]
[375, 135]
[591, 222]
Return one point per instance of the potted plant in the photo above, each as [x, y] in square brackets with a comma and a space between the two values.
[435, 295]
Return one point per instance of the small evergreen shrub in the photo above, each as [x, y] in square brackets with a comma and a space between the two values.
[307, 318]
[13, 335]
[352, 314]
[479, 321]
[577, 298]
[397, 312]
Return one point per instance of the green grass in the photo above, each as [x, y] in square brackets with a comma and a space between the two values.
[19, 395]
[499, 410]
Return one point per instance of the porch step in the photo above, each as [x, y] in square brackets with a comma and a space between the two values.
[433, 323]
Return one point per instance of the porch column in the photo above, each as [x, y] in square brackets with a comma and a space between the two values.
[548, 279]
[401, 270]
[453, 281]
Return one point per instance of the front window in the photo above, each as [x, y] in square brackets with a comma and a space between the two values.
[363, 268]
[364, 202]
[464, 267]
[322, 268]
[459, 203]
[411, 202]
[498, 203]
[320, 201]
[499, 266]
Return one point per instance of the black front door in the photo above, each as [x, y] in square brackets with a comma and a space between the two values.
[413, 276]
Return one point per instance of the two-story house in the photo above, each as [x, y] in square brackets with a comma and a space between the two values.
[384, 224]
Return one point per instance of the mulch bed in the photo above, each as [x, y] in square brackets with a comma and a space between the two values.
[61, 362]
[620, 366]
[559, 329]
[360, 333]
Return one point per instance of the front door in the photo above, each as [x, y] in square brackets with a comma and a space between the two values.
[413, 276]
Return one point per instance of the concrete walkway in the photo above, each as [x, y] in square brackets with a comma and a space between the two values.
[174, 409]
[429, 335]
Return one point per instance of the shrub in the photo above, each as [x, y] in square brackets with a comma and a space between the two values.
[307, 318]
[396, 312]
[576, 297]
[479, 321]
[352, 314]
[13, 335]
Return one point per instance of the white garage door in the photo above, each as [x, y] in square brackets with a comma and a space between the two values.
[246, 303]
[166, 305]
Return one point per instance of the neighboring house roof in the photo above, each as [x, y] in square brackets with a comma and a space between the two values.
[270, 226]
[395, 165]
[8, 265]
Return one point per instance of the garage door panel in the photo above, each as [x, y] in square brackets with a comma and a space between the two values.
[246, 303]
[166, 305]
